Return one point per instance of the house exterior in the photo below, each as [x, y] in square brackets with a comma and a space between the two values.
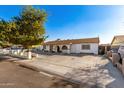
[103, 48]
[117, 41]
[86, 45]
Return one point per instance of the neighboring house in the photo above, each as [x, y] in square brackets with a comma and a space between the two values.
[87, 45]
[117, 41]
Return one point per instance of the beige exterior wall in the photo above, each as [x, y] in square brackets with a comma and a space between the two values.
[75, 48]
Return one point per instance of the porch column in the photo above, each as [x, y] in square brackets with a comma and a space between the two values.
[70, 48]
[105, 49]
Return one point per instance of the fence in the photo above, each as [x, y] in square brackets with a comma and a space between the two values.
[14, 52]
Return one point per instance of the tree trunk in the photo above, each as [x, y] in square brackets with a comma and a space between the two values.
[29, 54]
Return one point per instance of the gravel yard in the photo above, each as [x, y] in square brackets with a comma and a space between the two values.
[87, 70]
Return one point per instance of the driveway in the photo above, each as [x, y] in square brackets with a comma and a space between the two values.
[86, 70]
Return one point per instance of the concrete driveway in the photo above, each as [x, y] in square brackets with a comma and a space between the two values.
[86, 70]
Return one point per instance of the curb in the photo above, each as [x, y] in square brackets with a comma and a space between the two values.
[17, 56]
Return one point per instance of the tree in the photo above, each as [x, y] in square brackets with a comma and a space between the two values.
[5, 28]
[27, 29]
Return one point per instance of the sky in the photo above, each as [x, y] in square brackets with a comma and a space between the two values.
[77, 21]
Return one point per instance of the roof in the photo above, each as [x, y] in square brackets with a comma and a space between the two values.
[117, 40]
[104, 45]
[73, 41]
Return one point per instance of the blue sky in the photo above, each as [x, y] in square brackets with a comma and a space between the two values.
[72, 22]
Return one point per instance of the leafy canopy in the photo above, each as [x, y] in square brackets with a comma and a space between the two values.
[27, 29]
[5, 29]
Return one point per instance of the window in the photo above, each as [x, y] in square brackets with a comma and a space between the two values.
[85, 47]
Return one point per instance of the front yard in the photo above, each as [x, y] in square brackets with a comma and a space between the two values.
[86, 70]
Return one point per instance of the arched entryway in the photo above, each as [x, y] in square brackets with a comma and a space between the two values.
[64, 47]
[58, 49]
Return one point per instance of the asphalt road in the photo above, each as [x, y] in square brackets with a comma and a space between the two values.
[14, 76]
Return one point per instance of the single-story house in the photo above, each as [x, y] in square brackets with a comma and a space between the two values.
[117, 41]
[86, 45]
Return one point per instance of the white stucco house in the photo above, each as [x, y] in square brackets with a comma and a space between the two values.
[86, 45]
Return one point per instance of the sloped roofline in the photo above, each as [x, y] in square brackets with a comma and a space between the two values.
[115, 38]
[74, 41]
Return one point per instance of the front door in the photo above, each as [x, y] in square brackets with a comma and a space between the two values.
[58, 49]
